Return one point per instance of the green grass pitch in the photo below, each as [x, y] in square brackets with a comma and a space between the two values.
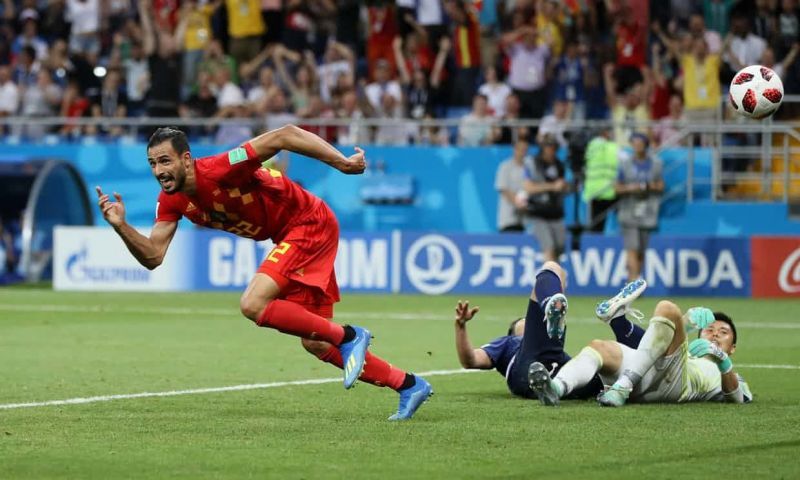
[66, 345]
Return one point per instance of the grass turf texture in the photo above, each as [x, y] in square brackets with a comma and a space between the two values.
[64, 345]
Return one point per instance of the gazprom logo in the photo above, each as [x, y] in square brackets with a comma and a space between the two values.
[433, 264]
[81, 270]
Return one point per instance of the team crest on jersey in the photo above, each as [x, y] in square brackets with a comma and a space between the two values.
[237, 155]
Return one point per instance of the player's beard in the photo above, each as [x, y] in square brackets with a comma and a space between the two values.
[172, 183]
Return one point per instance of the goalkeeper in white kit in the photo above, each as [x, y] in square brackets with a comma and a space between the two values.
[666, 367]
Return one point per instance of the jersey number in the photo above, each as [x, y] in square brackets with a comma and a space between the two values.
[244, 229]
[279, 250]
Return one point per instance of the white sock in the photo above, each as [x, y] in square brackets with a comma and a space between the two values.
[654, 344]
[580, 370]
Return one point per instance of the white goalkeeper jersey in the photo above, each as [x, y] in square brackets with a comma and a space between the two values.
[703, 382]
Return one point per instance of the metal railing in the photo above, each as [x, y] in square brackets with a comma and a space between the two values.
[762, 153]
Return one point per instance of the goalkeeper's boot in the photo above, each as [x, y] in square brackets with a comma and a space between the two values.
[620, 303]
[412, 398]
[353, 353]
[555, 314]
[548, 391]
[614, 396]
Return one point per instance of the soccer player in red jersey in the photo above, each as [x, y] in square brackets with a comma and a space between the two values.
[295, 287]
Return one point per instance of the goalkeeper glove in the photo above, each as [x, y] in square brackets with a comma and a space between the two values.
[698, 318]
[701, 348]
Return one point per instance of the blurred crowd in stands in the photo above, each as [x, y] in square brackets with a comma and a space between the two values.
[301, 61]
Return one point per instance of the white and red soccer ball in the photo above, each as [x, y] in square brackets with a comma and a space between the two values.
[756, 92]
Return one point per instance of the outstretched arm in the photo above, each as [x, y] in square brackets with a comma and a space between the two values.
[400, 61]
[297, 140]
[790, 57]
[149, 251]
[733, 60]
[148, 32]
[469, 357]
[250, 67]
[610, 84]
[279, 53]
[438, 65]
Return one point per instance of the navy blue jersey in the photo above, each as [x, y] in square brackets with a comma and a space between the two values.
[502, 351]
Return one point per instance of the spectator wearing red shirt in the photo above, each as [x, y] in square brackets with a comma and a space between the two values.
[466, 52]
[631, 44]
[417, 48]
[73, 105]
[660, 97]
[165, 14]
[382, 30]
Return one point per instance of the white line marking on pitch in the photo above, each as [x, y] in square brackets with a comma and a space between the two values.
[259, 386]
[761, 365]
[225, 312]
[198, 391]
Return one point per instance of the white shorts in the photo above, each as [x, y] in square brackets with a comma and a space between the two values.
[663, 383]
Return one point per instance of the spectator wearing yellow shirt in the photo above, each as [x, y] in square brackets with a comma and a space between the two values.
[194, 30]
[548, 25]
[246, 29]
[699, 81]
[629, 113]
[701, 89]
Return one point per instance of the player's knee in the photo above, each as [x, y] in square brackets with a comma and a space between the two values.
[555, 268]
[668, 310]
[549, 281]
[251, 307]
[315, 347]
[601, 346]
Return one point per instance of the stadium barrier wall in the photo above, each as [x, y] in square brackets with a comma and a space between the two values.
[453, 188]
[94, 258]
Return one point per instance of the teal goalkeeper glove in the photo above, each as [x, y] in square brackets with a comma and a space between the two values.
[698, 318]
[701, 348]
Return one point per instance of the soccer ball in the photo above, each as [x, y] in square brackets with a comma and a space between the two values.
[756, 92]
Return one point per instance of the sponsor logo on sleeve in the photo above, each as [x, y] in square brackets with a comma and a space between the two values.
[237, 155]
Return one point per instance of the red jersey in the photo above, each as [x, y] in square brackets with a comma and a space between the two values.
[237, 195]
[631, 45]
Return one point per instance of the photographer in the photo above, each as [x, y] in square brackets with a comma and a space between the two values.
[543, 198]
[602, 165]
[639, 186]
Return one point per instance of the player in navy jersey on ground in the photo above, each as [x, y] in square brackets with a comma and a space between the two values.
[540, 335]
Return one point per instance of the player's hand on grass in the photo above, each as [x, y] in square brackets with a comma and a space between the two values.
[703, 348]
[355, 163]
[113, 212]
[464, 313]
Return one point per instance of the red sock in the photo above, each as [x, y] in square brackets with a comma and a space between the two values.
[293, 319]
[377, 371]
